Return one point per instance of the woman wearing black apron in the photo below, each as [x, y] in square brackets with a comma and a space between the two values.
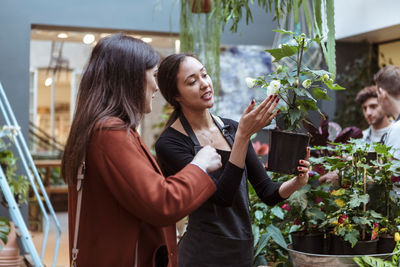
[219, 232]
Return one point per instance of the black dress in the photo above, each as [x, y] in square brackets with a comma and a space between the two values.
[219, 232]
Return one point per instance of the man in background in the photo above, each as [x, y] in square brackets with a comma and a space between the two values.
[388, 88]
[378, 121]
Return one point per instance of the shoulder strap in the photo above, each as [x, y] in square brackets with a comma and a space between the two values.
[225, 131]
[79, 188]
[189, 130]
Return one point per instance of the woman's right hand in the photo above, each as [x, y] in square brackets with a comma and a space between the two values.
[208, 159]
[253, 120]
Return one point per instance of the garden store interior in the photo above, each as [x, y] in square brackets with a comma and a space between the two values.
[329, 49]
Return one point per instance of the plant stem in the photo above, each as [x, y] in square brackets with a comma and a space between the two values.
[364, 205]
[298, 70]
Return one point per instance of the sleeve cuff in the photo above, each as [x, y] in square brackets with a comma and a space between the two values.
[194, 163]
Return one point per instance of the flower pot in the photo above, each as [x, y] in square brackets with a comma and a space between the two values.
[286, 149]
[201, 6]
[386, 244]
[366, 247]
[308, 242]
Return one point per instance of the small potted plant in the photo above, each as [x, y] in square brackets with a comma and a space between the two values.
[307, 208]
[299, 89]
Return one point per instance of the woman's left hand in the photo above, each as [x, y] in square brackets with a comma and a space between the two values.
[304, 168]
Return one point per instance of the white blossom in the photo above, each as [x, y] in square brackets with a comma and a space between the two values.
[325, 77]
[273, 87]
[250, 82]
[306, 83]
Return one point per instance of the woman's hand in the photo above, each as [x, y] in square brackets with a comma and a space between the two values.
[253, 120]
[304, 168]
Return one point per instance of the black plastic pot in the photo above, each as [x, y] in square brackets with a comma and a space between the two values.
[367, 247]
[386, 244]
[308, 242]
[286, 149]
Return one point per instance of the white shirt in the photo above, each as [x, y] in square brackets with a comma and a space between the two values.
[393, 139]
[370, 135]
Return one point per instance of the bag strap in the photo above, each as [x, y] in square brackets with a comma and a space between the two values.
[79, 188]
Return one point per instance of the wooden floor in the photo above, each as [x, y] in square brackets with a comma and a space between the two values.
[62, 260]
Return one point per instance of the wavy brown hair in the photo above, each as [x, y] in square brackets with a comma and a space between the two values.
[167, 77]
[113, 85]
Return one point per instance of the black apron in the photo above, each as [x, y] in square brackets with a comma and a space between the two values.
[218, 236]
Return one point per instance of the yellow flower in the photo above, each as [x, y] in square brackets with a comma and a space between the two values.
[335, 222]
[339, 202]
[397, 237]
[339, 192]
[383, 230]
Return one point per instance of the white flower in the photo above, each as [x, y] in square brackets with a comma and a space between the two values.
[306, 83]
[11, 130]
[273, 87]
[325, 77]
[250, 82]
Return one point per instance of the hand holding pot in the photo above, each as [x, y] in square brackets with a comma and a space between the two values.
[303, 169]
[254, 119]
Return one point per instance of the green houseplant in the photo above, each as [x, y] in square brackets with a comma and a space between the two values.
[299, 89]
[356, 220]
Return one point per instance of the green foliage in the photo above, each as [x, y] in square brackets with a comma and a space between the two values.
[354, 217]
[369, 261]
[4, 230]
[299, 88]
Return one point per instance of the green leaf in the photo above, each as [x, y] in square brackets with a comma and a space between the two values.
[372, 261]
[294, 115]
[320, 94]
[277, 236]
[285, 51]
[308, 18]
[330, 17]
[258, 214]
[352, 237]
[277, 211]
[283, 31]
[357, 200]
[262, 243]
[333, 86]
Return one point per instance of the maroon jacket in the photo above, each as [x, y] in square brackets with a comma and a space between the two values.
[127, 202]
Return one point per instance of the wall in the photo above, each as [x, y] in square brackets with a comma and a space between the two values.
[16, 18]
[360, 16]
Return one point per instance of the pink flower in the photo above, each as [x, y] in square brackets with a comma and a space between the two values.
[286, 207]
[261, 149]
[318, 200]
[395, 179]
[311, 173]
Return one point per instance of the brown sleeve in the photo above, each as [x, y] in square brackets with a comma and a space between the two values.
[139, 188]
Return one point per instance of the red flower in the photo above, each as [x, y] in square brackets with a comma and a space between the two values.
[286, 207]
[319, 168]
[395, 179]
[297, 222]
[318, 200]
[342, 218]
[261, 149]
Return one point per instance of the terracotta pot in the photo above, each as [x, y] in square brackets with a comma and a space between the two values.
[201, 6]
[9, 254]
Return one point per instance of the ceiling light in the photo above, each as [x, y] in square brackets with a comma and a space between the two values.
[48, 82]
[177, 46]
[147, 39]
[62, 35]
[88, 38]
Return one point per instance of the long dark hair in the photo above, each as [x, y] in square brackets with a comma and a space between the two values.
[113, 85]
[168, 82]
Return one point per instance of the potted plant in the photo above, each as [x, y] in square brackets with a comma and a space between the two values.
[299, 89]
[356, 220]
[19, 184]
[307, 209]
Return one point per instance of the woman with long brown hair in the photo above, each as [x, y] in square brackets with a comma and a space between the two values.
[219, 232]
[128, 209]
